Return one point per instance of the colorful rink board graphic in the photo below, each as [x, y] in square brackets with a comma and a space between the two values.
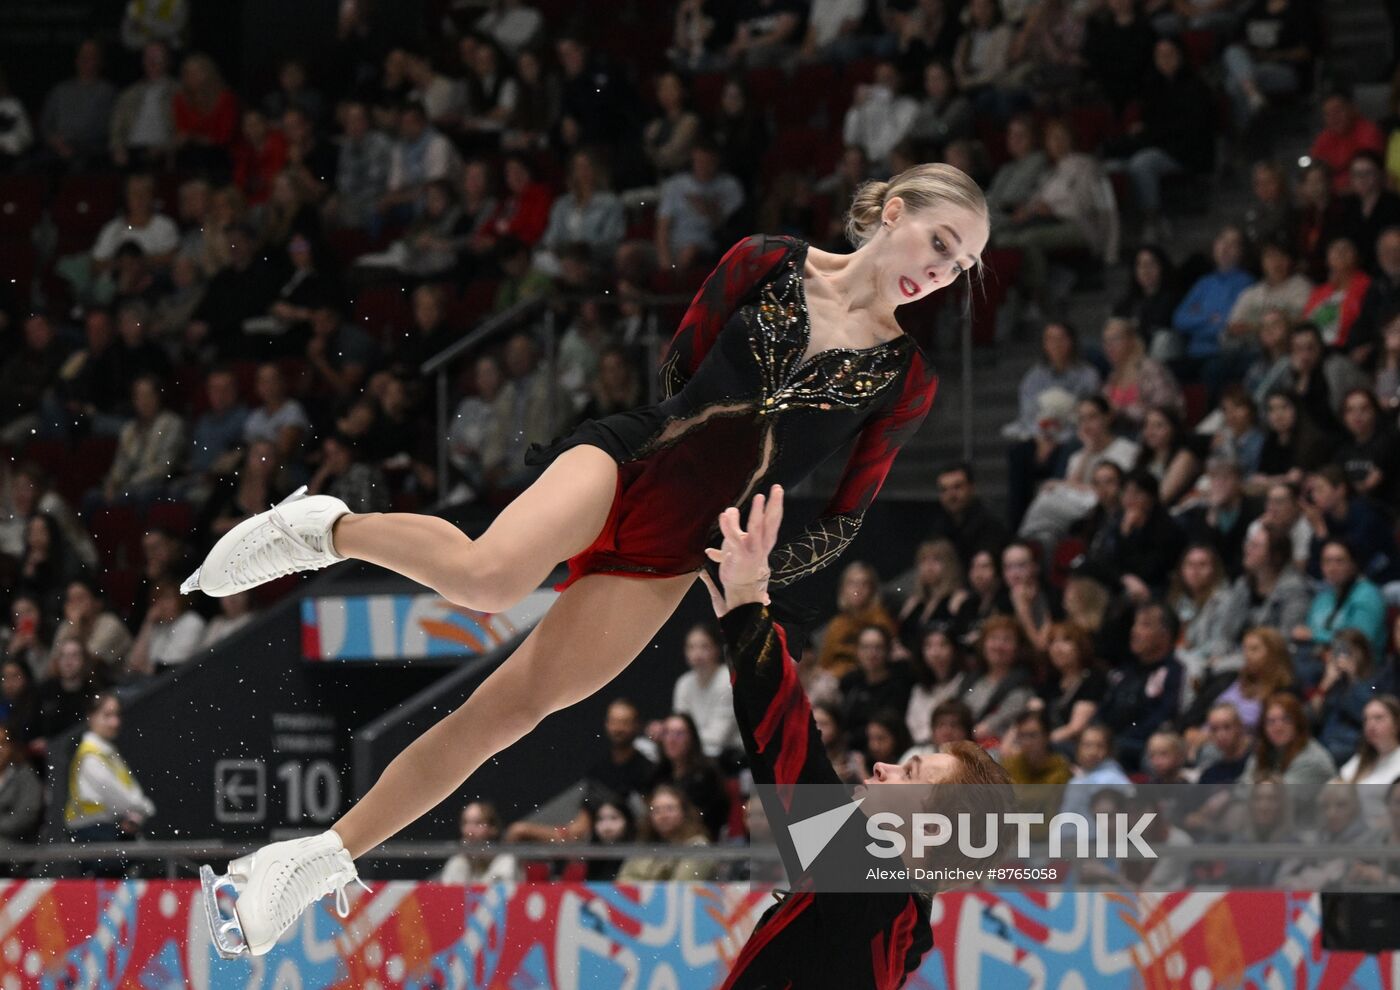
[150, 935]
[409, 627]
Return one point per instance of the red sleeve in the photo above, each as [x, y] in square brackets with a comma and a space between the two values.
[532, 215]
[743, 266]
[223, 122]
[866, 469]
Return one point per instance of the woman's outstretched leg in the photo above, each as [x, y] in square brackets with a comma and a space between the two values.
[556, 517]
[595, 629]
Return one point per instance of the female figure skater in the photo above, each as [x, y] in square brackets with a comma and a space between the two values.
[785, 354]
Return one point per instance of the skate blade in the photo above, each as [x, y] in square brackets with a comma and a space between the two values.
[225, 931]
[191, 583]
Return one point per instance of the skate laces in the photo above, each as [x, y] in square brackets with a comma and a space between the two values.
[309, 880]
[285, 551]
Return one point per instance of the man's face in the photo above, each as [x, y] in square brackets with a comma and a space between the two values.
[1017, 566]
[1225, 730]
[222, 391]
[704, 163]
[1092, 750]
[1033, 740]
[1305, 351]
[1149, 637]
[1365, 177]
[1280, 508]
[1163, 759]
[1107, 487]
[870, 652]
[154, 61]
[954, 492]
[620, 725]
[931, 769]
[1323, 494]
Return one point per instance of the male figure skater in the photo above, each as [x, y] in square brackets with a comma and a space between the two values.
[813, 938]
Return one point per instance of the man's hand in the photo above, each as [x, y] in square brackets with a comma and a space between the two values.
[743, 556]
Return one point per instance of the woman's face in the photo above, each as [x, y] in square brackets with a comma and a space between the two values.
[1148, 272]
[476, 825]
[1157, 431]
[1057, 344]
[1020, 141]
[1228, 249]
[1339, 807]
[999, 649]
[938, 654]
[107, 720]
[666, 814]
[1278, 726]
[1058, 142]
[857, 590]
[69, 662]
[826, 726]
[527, 67]
[1064, 655]
[871, 652]
[1256, 655]
[937, 82]
[1197, 571]
[517, 176]
[1267, 184]
[1315, 188]
[982, 573]
[583, 171]
[609, 825]
[880, 743]
[922, 251]
[982, 12]
[1115, 343]
[1379, 728]
[1017, 567]
[948, 729]
[1281, 415]
[1093, 425]
[669, 91]
[930, 568]
[1266, 805]
[731, 99]
[488, 379]
[1277, 266]
[1341, 260]
[13, 681]
[1337, 565]
[675, 739]
[1167, 57]
[701, 653]
[1360, 416]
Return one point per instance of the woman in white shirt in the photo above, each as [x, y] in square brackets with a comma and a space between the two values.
[1377, 761]
[703, 692]
[480, 823]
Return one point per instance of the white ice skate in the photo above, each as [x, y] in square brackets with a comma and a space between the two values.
[294, 535]
[274, 886]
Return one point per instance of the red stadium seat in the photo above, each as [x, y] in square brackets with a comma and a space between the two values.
[90, 464]
[117, 530]
[21, 202]
[705, 92]
[81, 205]
[1194, 400]
[121, 586]
[737, 826]
[178, 517]
[383, 310]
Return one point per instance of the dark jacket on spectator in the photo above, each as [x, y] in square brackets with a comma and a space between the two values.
[1148, 552]
[1140, 700]
[21, 803]
[1119, 55]
[1178, 116]
[979, 529]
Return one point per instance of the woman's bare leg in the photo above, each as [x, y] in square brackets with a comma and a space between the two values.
[595, 629]
[555, 518]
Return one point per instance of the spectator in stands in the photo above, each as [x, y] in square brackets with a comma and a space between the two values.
[105, 803]
[1153, 293]
[1002, 687]
[535, 114]
[1270, 56]
[150, 449]
[278, 418]
[1367, 211]
[1224, 751]
[293, 93]
[1030, 602]
[613, 823]
[241, 290]
[766, 32]
[19, 701]
[163, 560]
[258, 156]
[1266, 374]
[343, 474]
[1270, 215]
[1135, 382]
[1166, 453]
[420, 155]
[523, 212]
[1145, 694]
[86, 619]
[48, 563]
[1370, 455]
[227, 211]
[944, 114]
[76, 115]
[474, 421]
[1344, 133]
[668, 138]
[1094, 769]
[983, 56]
[241, 494]
[1071, 208]
[27, 641]
[858, 605]
[339, 354]
[30, 491]
[615, 388]
[1072, 695]
[1376, 764]
[1334, 513]
[66, 690]
[16, 132]
[1270, 818]
[1292, 445]
[170, 632]
[674, 821]
[1387, 387]
[832, 32]
[235, 612]
[217, 435]
[361, 171]
[988, 593]
[206, 117]
[886, 737]
[444, 100]
[740, 133]
[26, 375]
[696, 207]
[1271, 591]
[1267, 670]
[1199, 595]
[480, 823]
[1335, 304]
[683, 764]
[1046, 55]
[143, 121]
[848, 763]
[1202, 317]
[962, 517]
[1317, 209]
[531, 409]
[1015, 183]
[1061, 502]
[876, 684]
[491, 92]
[512, 24]
[1139, 544]
[703, 30]
[589, 213]
[1223, 516]
[597, 108]
[1350, 679]
[880, 116]
[1118, 53]
[428, 248]
[1346, 600]
[704, 693]
[21, 793]
[938, 598]
[939, 669]
[1380, 304]
[1280, 289]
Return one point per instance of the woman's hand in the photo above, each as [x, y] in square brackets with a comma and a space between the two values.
[743, 556]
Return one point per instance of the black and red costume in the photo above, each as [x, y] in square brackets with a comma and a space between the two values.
[743, 411]
[809, 939]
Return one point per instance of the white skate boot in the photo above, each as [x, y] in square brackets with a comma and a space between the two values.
[294, 535]
[274, 886]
